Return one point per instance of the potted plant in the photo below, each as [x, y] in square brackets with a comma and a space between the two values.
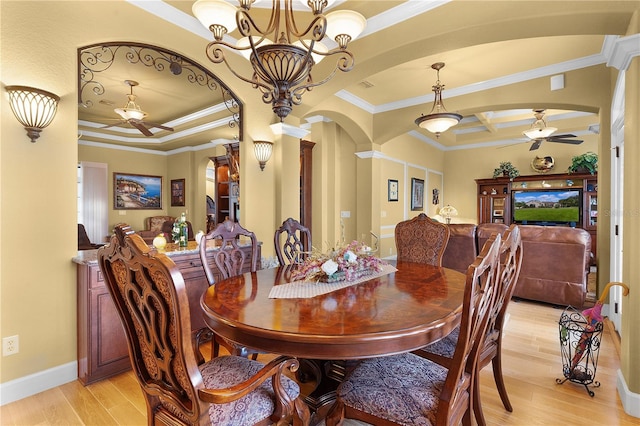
[506, 169]
[587, 162]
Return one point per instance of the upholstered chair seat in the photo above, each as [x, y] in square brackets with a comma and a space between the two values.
[226, 371]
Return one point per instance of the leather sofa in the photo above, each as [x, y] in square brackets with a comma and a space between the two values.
[555, 262]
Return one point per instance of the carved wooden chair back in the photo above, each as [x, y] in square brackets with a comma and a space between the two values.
[422, 393]
[150, 297]
[229, 258]
[292, 242]
[421, 240]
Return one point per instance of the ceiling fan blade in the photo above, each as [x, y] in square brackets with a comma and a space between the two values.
[159, 126]
[138, 125]
[567, 135]
[535, 145]
[112, 125]
[571, 141]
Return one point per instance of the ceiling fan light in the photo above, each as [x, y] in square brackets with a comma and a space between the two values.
[215, 13]
[130, 113]
[539, 132]
[344, 26]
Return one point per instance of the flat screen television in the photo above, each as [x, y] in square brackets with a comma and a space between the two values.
[547, 206]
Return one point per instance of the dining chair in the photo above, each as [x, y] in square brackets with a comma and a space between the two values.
[421, 240]
[443, 350]
[407, 389]
[230, 260]
[150, 297]
[292, 242]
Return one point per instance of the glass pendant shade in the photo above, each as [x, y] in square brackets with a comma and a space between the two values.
[215, 13]
[131, 110]
[438, 120]
[540, 132]
[34, 108]
[345, 23]
[317, 47]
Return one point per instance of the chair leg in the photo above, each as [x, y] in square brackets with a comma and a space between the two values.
[476, 404]
[335, 414]
[497, 376]
[302, 415]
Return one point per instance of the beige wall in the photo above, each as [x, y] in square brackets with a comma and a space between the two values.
[38, 181]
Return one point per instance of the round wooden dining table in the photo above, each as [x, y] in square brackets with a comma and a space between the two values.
[399, 312]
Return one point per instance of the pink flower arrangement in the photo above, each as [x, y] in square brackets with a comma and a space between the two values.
[344, 263]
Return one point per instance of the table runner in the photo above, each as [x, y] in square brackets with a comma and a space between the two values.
[308, 289]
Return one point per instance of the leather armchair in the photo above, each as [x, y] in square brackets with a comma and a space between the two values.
[153, 226]
[461, 250]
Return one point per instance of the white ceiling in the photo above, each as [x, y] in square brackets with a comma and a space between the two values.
[392, 73]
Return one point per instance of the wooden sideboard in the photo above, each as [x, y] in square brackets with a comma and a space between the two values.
[102, 345]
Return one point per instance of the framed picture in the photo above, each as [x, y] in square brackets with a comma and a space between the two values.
[417, 194]
[177, 192]
[392, 190]
[137, 192]
[499, 213]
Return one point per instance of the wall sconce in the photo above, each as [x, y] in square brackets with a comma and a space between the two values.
[263, 150]
[34, 108]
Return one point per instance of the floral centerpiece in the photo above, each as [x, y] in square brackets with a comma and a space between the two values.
[345, 263]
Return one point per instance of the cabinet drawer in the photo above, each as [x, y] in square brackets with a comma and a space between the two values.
[190, 266]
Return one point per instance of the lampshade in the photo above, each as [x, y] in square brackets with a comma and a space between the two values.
[34, 108]
[447, 212]
[131, 110]
[216, 15]
[541, 132]
[345, 23]
[244, 44]
[539, 128]
[263, 150]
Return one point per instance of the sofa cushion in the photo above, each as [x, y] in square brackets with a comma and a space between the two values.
[485, 230]
[154, 223]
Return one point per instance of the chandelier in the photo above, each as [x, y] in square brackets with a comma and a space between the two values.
[438, 120]
[282, 58]
[539, 128]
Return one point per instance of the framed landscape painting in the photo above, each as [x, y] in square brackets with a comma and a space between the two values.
[137, 192]
[417, 194]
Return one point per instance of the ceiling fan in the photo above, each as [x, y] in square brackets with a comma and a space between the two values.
[540, 132]
[132, 114]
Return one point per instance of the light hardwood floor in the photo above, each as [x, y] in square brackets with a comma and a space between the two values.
[532, 363]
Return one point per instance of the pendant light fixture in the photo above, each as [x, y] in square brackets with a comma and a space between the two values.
[438, 120]
[539, 128]
[282, 57]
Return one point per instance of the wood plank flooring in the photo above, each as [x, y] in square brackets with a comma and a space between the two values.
[531, 365]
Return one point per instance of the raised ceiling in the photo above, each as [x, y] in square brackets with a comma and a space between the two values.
[530, 40]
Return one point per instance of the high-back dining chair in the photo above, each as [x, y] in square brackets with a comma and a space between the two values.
[150, 297]
[491, 352]
[229, 259]
[407, 389]
[421, 240]
[292, 242]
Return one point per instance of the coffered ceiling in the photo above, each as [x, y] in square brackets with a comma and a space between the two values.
[486, 46]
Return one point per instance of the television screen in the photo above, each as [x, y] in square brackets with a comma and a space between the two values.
[550, 205]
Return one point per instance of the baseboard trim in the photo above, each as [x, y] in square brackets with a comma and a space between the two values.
[38, 382]
[630, 400]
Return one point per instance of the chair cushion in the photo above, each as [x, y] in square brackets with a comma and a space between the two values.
[226, 371]
[446, 346]
[402, 388]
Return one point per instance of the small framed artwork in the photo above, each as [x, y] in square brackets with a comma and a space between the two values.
[137, 192]
[392, 190]
[177, 192]
[436, 196]
[417, 194]
[498, 213]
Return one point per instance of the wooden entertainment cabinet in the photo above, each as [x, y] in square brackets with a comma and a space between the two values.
[495, 197]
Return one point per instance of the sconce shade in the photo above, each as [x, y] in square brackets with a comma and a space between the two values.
[263, 150]
[34, 108]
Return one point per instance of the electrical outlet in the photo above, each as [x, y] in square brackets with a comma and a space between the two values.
[10, 345]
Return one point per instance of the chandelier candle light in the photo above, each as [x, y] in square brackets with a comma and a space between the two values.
[282, 57]
[438, 120]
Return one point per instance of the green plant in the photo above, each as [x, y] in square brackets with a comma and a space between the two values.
[587, 162]
[506, 169]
